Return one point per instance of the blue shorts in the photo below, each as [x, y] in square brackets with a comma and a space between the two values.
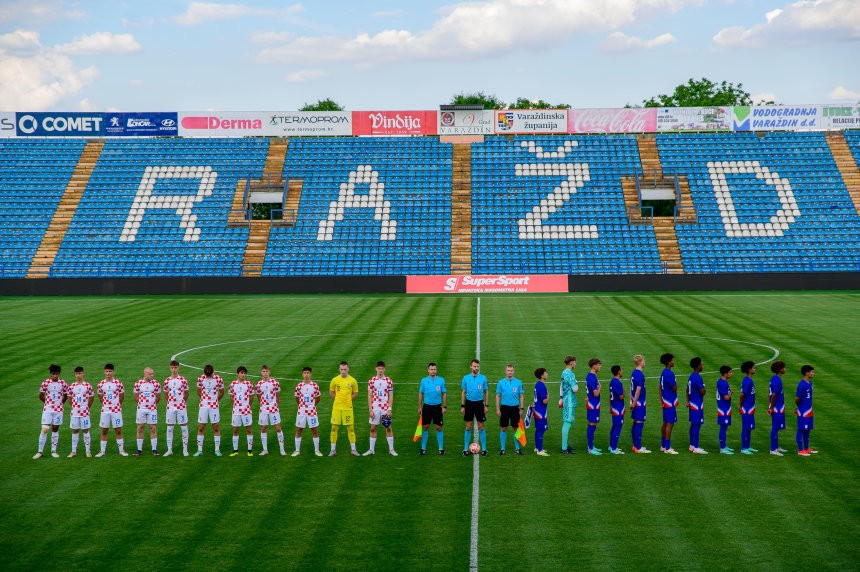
[639, 413]
[747, 421]
[670, 415]
[617, 420]
[777, 421]
[592, 415]
[697, 416]
[804, 423]
[724, 419]
[540, 424]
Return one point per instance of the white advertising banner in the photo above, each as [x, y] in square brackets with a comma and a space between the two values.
[530, 121]
[222, 123]
[312, 123]
[786, 118]
[466, 122]
[7, 124]
[838, 117]
[694, 119]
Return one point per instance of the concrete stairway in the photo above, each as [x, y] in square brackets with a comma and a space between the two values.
[461, 209]
[847, 166]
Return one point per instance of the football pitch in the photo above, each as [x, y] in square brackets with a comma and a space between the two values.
[413, 512]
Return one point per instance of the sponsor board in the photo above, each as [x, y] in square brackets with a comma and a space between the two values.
[394, 123]
[7, 124]
[694, 119]
[153, 124]
[222, 123]
[741, 118]
[786, 118]
[323, 123]
[530, 121]
[487, 284]
[613, 120]
[466, 122]
[59, 124]
[838, 117]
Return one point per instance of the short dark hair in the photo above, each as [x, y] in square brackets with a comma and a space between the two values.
[666, 358]
[568, 359]
[724, 369]
[539, 372]
[307, 368]
[107, 366]
[343, 363]
[264, 366]
[208, 370]
[695, 362]
[777, 366]
[174, 362]
[593, 362]
[431, 364]
[54, 368]
[806, 369]
[615, 369]
[79, 369]
[380, 363]
[747, 365]
[475, 360]
[241, 369]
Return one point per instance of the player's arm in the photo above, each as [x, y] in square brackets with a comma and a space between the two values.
[220, 393]
[317, 398]
[370, 399]
[444, 399]
[278, 397]
[199, 390]
[90, 401]
[498, 405]
[65, 396]
[390, 400]
[596, 390]
[299, 399]
[522, 401]
[770, 403]
[635, 397]
[420, 401]
[687, 394]
[463, 400]
[741, 403]
[135, 394]
[486, 400]
[121, 395]
[41, 395]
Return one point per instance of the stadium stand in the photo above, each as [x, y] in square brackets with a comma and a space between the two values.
[159, 207]
[33, 178]
[846, 147]
[554, 205]
[368, 206]
[765, 202]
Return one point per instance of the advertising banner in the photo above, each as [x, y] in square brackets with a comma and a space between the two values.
[530, 121]
[466, 122]
[394, 123]
[629, 120]
[293, 123]
[7, 124]
[741, 118]
[694, 118]
[786, 118]
[486, 284]
[837, 117]
[59, 124]
[155, 124]
[222, 123]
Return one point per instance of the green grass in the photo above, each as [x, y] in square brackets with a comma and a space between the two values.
[411, 512]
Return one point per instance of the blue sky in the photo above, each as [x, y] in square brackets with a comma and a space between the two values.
[176, 55]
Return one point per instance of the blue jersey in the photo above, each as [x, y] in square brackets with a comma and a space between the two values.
[540, 395]
[637, 380]
[724, 406]
[748, 402]
[616, 397]
[775, 389]
[432, 388]
[804, 392]
[475, 386]
[668, 395]
[591, 384]
[695, 385]
[510, 390]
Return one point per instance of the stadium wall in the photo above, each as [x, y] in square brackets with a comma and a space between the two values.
[397, 284]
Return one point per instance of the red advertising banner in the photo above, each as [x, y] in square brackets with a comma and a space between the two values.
[488, 284]
[394, 123]
[630, 120]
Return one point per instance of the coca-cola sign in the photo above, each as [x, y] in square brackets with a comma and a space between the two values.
[394, 122]
[630, 120]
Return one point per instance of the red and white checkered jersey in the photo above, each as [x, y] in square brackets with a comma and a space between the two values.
[307, 394]
[109, 392]
[54, 392]
[268, 392]
[210, 388]
[241, 392]
[80, 394]
[380, 387]
[174, 390]
[146, 392]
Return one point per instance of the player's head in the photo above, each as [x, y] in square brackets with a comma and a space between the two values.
[569, 360]
[616, 371]
[509, 371]
[241, 371]
[380, 367]
[638, 360]
[431, 369]
[475, 366]
[343, 368]
[668, 360]
[594, 363]
[79, 373]
[748, 367]
[807, 371]
[696, 364]
[54, 371]
[208, 370]
[306, 373]
[174, 368]
[108, 370]
[725, 371]
[540, 373]
[778, 367]
[148, 374]
[264, 371]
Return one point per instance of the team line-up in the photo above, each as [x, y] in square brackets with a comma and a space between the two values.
[432, 406]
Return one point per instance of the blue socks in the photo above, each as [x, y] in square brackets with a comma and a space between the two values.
[539, 440]
[806, 439]
[774, 439]
[483, 435]
[723, 429]
[467, 439]
[694, 435]
[614, 435]
[424, 435]
[439, 439]
[802, 440]
[590, 433]
[746, 438]
[503, 437]
[637, 435]
[565, 428]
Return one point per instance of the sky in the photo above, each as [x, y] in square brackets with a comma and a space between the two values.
[176, 55]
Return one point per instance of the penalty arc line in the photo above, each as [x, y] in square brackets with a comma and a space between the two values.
[473, 550]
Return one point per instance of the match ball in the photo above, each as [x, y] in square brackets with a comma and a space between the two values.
[474, 448]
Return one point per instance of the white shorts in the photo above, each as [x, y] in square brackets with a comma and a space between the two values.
[79, 423]
[52, 417]
[376, 416]
[108, 420]
[147, 417]
[177, 416]
[208, 415]
[243, 420]
[303, 420]
[270, 418]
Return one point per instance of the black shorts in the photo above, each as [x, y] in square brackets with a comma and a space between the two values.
[474, 409]
[510, 416]
[431, 414]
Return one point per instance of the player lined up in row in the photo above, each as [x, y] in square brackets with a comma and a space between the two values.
[432, 401]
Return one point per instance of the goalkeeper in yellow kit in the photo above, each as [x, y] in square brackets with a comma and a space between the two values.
[343, 389]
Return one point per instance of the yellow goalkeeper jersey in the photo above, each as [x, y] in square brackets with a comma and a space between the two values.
[343, 388]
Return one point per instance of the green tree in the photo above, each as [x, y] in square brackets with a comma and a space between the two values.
[477, 98]
[322, 105]
[523, 103]
[702, 93]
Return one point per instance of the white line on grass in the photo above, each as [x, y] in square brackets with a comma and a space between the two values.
[473, 550]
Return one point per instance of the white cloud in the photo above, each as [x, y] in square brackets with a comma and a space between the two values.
[100, 43]
[798, 23]
[20, 41]
[40, 81]
[126, 23]
[619, 42]
[764, 97]
[202, 12]
[387, 13]
[38, 11]
[839, 93]
[306, 75]
[271, 37]
[471, 30]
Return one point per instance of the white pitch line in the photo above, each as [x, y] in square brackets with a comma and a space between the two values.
[473, 550]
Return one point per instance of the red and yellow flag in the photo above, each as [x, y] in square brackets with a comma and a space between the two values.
[418, 430]
[520, 434]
